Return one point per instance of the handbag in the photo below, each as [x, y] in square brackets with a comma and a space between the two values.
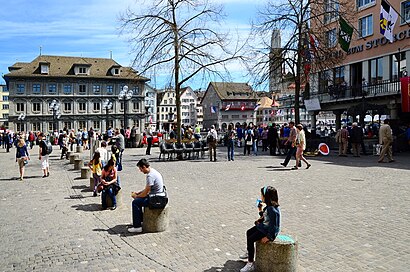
[116, 188]
[158, 200]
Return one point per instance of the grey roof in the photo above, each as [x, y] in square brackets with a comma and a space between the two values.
[233, 91]
[62, 66]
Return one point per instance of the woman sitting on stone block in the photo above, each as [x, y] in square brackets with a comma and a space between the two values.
[108, 180]
[266, 227]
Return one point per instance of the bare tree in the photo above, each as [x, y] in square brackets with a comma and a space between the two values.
[307, 25]
[180, 37]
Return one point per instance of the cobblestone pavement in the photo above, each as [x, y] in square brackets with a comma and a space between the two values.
[348, 214]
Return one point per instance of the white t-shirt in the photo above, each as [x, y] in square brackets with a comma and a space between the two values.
[155, 181]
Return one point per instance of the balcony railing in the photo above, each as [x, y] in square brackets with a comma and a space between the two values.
[340, 92]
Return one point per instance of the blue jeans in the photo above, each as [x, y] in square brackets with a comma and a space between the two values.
[231, 149]
[110, 192]
[255, 147]
[137, 215]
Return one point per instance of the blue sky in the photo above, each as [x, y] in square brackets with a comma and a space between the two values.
[88, 28]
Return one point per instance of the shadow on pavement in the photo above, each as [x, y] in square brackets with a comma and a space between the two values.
[92, 207]
[119, 229]
[17, 178]
[83, 188]
[230, 265]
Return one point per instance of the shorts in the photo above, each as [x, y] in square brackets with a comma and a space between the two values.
[44, 162]
[20, 161]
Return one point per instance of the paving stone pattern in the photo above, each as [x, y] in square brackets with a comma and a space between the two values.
[348, 214]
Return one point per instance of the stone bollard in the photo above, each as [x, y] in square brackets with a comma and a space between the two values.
[118, 197]
[73, 157]
[279, 255]
[85, 172]
[155, 220]
[78, 164]
[68, 154]
[79, 149]
[91, 183]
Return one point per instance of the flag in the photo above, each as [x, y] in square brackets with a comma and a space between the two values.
[314, 42]
[242, 107]
[345, 34]
[228, 107]
[256, 107]
[213, 109]
[388, 18]
[272, 113]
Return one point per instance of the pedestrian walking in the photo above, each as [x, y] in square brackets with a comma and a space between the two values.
[291, 144]
[95, 166]
[154, 184]
[43, 156]
[248, 140]
[231, 142]
[386, 140]
[300, 147]
[22, 156]
[356, 139]
[148, 133]
[266, 228]
[342, 138]
[211, 139]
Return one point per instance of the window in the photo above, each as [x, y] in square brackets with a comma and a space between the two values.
[331, 10]
[136, 90]
[36, 88]
[82, 88]
[225, 117]
[405, 11]
[19, 107]
[82, 70]
[96, 125]
[366, 26]
[81, 107]
[67, 89]
[81, 125]
[50, 126]
[5, 116]
[52, 88]
[171, 101]
[235, 116]
[162, 117]
[67, 125]
[116, 71]
[96, 89]
[110, 89]
[5, 98]
[339, 75]
[67, 107]
[122, 106]
[362, 3]
[97, 106]
[21, 88]
[36, 107]
[6, 107]
[36, 126]
[136, 106]
[375, 70]
[331, 38]
[165, 102]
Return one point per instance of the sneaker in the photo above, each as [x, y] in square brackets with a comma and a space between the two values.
[244, 256]
[248, 267]
[95, 193]
[284, 165]
[44, 176]
[135, 230]
[113, 208]
[21, 179]
[48, 174]
[308, 166]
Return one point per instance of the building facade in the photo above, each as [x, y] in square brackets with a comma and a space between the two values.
[228, 102]
[166, 109]
[150, 106]
[199, 109]
[188, 107]
[77, 88]
[366, 81]
[4, 106]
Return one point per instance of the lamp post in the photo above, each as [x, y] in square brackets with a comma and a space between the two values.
[55, 108]
[125, 95]
[21, 118]
[107, 105]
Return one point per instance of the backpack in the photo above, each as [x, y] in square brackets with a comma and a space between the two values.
[49, 146]
[249, 135]
[210, 138]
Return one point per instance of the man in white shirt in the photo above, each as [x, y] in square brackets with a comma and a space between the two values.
[212, 138]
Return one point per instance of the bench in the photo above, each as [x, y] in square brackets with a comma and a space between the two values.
[279, 255]
[156, 220]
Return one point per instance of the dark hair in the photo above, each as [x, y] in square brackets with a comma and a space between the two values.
[143, 162]
[96, 158]
[109, 163]
[271, 196]
[103, 144]
[291, 123]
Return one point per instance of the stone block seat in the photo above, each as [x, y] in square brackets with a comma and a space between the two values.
[279, 255]
[156, 220]
[73, 157]
[78, 164]
[85, 172]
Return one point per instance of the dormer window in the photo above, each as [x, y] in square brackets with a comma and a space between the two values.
[115, 71]
[44, 68]
[82, 70]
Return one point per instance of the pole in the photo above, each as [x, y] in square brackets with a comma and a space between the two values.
[106, 119]
[125, 114]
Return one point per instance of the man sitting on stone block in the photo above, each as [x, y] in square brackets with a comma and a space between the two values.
[154, 184]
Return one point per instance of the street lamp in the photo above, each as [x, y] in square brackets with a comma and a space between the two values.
[107, 105]
[55, 108]
[125, 95]
[21, 118]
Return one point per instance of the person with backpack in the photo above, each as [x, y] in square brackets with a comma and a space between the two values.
[248, 140]
[84, 138]
[211, 140]
[43, 155]
[22, 156]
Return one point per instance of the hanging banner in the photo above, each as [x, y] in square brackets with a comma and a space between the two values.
[405, 94]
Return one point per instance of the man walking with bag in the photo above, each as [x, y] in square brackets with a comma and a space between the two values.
[154, 184]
